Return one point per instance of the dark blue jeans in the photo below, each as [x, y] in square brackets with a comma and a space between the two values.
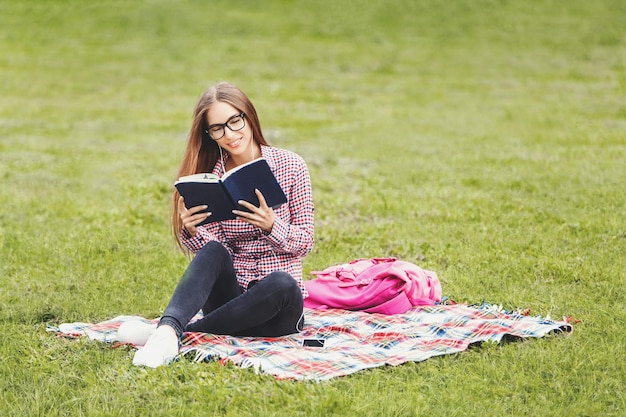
[271, 307]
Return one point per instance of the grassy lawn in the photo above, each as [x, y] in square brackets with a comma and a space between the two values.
[484, 140]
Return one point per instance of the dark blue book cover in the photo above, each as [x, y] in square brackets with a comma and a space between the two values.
[222, 194]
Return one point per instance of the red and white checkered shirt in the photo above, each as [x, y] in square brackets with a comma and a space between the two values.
[255, 254]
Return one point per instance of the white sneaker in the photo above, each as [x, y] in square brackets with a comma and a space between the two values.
[160, 349]
[135, 332]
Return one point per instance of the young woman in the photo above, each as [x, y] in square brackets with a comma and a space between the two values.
[246, 275]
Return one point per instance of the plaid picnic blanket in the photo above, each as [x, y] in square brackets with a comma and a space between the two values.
[353, 341]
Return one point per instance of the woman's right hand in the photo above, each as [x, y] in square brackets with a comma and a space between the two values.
[191, 217]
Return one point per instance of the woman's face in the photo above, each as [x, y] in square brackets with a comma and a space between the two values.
[238, 143]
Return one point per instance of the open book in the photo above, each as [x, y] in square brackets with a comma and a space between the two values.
[222, 194]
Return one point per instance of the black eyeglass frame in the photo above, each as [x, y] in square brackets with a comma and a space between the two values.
[225, 125]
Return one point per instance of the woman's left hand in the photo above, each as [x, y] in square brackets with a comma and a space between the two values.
[261, 217]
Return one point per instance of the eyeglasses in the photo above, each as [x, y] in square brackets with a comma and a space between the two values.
[217, 131]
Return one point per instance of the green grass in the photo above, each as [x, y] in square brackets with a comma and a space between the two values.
[485, 140]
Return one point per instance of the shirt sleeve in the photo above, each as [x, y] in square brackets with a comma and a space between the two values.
[205, 233]
[296, 235]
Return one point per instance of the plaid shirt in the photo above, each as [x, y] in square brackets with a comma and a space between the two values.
[255, 254]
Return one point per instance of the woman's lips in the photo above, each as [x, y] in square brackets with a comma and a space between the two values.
[235, 143]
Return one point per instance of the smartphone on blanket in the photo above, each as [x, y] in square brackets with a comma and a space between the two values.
[313, 342]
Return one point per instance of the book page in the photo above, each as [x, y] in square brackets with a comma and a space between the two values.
[202, 177]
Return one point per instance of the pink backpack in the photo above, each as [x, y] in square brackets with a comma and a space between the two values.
[376, 285]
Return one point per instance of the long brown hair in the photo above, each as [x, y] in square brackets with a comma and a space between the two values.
[202, 152]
